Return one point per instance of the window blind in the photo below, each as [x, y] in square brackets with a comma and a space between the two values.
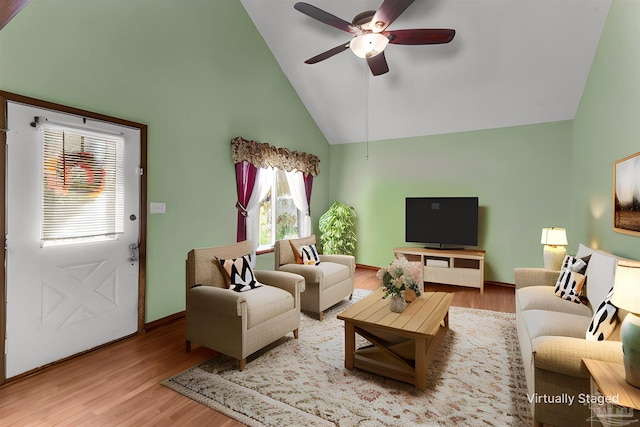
[83, 180]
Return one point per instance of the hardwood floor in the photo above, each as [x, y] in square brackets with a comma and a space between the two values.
[119, 385]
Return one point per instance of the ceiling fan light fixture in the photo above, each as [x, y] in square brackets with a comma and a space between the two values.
[378, 27]
[370, 37]
[368, 45]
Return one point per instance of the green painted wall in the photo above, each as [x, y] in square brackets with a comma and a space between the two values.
[520, 175]
[527, 177]
[606, 129]
[198, 73]
[185, 70]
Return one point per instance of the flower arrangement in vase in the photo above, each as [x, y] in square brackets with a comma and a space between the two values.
[402, 280]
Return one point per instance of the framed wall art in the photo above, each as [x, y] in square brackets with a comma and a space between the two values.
[626, 195]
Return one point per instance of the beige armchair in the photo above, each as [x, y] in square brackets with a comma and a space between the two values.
[238, 324]
[325, 284]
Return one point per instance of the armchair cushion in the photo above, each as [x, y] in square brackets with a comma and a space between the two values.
[327, 273]
[333, 273]
[265, 303]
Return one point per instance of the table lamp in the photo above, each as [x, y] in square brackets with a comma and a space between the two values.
[554, 240]
[626, 296]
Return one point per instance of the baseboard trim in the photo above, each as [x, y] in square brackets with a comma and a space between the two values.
[163, 321]
[367, 267]
[505, 284]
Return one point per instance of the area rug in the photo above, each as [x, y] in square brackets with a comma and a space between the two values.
[475, 379]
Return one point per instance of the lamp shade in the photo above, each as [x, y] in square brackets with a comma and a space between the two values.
[368, 45]
[554, 236]
[626, 288]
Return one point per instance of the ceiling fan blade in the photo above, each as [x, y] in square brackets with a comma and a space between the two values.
[421, 36]
[328, 54]
[378, 64]
[387, 13]
[326, 18]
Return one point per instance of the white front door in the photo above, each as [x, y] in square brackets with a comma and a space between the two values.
[65, 298]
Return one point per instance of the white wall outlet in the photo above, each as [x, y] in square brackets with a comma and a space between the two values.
[158, 207]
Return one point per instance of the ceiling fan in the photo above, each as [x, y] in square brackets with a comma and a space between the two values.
[371, 35]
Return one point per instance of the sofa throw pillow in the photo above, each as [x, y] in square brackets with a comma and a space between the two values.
[240, 274]
[579, 265]
[571, 279]
[569, 286]
[223, 272]
[296, 253]
[310, 255]
[604, 320]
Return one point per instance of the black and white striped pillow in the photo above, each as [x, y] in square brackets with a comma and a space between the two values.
[569, 285]
[604, 320]
[240, 273]
[570, 281]
[310, 255]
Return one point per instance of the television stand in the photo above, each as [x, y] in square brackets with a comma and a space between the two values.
[442, 248]
[460, 267]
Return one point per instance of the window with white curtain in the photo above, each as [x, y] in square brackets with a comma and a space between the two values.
[83, 186]
[278, 208]
[263, 173]
[278, 217]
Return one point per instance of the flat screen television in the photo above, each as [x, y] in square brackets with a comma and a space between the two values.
[442, 221]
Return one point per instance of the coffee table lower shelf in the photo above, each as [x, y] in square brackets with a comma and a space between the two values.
[398, 361]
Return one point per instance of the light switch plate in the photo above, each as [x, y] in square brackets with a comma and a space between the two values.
[158, 207]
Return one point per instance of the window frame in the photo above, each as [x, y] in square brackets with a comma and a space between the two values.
[103, 148]
[274, 186]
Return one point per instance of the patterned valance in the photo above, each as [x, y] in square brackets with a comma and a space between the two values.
[263, 155]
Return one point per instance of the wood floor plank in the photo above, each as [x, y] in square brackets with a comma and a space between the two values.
[119, 385]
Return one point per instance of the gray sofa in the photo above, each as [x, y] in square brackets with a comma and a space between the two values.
[551, 334]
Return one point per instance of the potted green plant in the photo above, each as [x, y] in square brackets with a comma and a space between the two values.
[338, 230]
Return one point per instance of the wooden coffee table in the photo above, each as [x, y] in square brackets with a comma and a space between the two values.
[403, 343]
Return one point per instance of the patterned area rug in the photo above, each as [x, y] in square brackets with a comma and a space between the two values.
[475, 379]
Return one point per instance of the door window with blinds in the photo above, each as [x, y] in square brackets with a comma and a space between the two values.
[83, 196]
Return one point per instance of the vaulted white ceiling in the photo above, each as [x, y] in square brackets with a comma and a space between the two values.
[512, 62]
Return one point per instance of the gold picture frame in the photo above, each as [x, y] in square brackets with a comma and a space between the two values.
[626, 195]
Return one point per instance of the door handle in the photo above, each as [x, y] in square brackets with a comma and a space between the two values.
[134, 252]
